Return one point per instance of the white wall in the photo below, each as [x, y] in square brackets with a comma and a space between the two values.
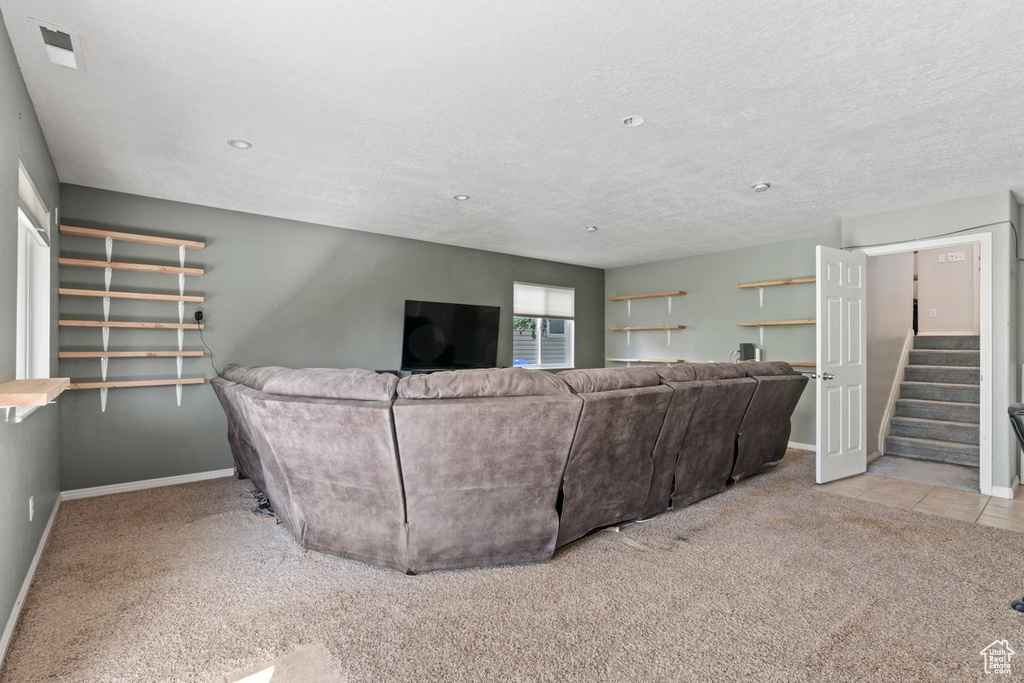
[890, 312]
[949, 289]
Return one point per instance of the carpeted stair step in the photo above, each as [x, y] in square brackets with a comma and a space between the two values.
[938, 430]
[929, 449]
[938, 391]
[971, 359]
[938, 410]
[942, 373]
[961, 343]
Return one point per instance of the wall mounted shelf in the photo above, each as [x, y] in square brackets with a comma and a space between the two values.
[131, 354]
[652, 295]
[779, 323]
[106, 294]
[29, 393]
[141, 296]
[659, 361]
[124, 265]
[128, 384]
[634, 328]
[803, 364]
[132, 324]
[130, 237]
[777, 283]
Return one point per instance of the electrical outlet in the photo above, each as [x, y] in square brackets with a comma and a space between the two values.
[957, 256]
[933, 313]
[31, 507]
[942, 258]
[200, 315]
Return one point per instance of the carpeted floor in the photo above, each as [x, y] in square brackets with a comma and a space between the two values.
[770, 581]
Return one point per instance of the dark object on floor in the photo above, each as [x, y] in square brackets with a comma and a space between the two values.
[1016, 412]
[1017, 605]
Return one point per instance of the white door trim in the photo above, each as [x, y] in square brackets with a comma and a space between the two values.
[984, 240]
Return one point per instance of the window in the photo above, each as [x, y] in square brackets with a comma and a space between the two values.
[32, 345]
[542, 326]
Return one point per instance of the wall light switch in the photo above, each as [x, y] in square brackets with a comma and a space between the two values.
[933, 313]
[942, 258]
[957, 256]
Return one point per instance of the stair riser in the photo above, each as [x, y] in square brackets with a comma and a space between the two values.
[908, 451]
[939, 433]
[939, 393]
[950, 375]
[971, 359]
[955, 343]
[941, 412]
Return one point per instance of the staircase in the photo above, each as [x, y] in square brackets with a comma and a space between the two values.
[937, 413]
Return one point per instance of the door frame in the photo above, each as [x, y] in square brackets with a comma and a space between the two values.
[984, 242]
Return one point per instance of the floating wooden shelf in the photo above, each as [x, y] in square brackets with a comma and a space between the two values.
[645, 360]
[777, 283]
[777, 323]
[653, 295]
[634, 328]
[125, 384]
[63, 291]
[802, 364]
[23, 393]
[130, 354]
[133, 324]
[130, 237]
[123, 265]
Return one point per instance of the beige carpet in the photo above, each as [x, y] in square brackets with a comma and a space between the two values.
[770, 581]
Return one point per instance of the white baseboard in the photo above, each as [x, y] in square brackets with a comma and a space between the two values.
[804, 446]
[12, 621]
[1004, 491]
[145, 484]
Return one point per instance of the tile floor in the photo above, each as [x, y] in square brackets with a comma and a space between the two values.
[933, 500]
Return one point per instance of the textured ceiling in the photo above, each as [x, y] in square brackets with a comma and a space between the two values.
[371, 115]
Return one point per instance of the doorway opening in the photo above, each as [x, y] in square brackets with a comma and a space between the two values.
[928, 352]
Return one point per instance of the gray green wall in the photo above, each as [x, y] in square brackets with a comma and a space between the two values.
[29, 456]
[995, 214]
[277, 293]
[714, 304]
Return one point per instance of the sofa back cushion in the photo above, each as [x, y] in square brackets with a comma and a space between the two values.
[485, 383]
[347, 384]
[767, 368]
[683, 372]
[718, 371]
[254, 376]
[609, 379]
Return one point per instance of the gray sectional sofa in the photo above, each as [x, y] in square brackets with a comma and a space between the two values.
[486, 467]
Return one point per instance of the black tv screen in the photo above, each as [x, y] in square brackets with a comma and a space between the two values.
[441, 336]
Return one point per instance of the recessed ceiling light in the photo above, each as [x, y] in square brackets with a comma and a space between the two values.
[240, 144]
[461, 197]
[633, 121]
[591, 228]
[761, 187]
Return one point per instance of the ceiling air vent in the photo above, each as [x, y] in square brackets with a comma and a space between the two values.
[59, 45]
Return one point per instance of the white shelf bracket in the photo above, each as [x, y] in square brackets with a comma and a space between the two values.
[106, 338]
[670, 304]
[177, 392]
[7, 413]
[181, 312]
[761, 328]
[668, 337]
[106, 308]
[629, 307]
[179, 359]
[103, 399]
[181, 339]
[628, 333]
[760, 296]
[110, 248]
[108, 273]
[181, 283]
[104, 363]
[181, 256]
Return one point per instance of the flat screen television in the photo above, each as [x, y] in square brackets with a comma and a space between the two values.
[441, 336]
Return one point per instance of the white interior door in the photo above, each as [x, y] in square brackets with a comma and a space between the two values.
[842, 371]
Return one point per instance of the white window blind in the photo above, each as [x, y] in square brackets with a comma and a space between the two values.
[31, 207]
[543, 301]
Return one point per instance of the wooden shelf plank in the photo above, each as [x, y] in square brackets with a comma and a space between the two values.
[634, 328]
[124, 265]
[131, 237]
[132, 324]
[802, 364]
[652, 295]
[63, 291]
[24, 393]
[130, 354]
[125, 384]
[777, 283]
[645, 360]
[776, 323]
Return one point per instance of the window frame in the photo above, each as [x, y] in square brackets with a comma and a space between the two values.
[542, 329]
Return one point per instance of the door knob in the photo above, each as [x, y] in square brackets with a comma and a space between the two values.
[825, 376]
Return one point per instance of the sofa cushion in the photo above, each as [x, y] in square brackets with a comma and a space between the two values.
[718, 371]
[254, 376]
[683, 372]
[352, 384]
[609, 379]
[487, 382]
[767, 368]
